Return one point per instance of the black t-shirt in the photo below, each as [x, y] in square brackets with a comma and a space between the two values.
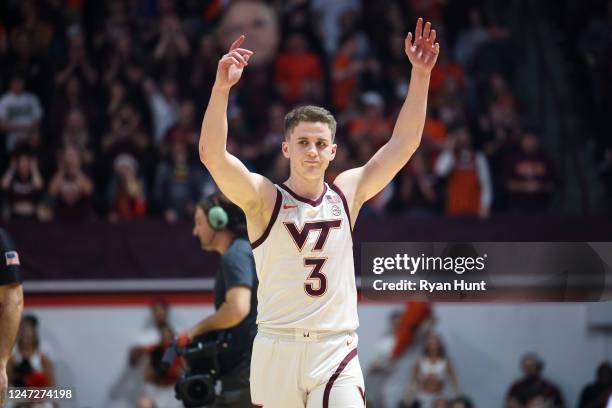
[10, 269]
[237, 268]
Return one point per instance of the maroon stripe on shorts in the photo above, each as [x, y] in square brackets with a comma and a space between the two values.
[277, 206]
[256, 406]
[335, 376]
[362, 393]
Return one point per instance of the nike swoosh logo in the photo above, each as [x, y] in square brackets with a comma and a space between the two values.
[286, 207]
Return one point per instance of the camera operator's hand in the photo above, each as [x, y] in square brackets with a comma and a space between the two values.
[184, 338]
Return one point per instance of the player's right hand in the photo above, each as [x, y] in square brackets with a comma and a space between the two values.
[232, 64]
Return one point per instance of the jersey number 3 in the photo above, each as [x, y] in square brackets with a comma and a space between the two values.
[299, 238]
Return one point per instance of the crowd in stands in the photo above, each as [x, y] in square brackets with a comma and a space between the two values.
[101, 103]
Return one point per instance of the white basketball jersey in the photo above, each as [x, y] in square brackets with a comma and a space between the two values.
[304, 262]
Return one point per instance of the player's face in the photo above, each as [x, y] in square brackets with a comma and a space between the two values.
[202, 230]
[309, 149]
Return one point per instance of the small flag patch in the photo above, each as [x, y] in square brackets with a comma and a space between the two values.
[11, 258]
[332, 199]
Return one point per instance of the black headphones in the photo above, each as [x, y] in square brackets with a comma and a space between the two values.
[216, 215]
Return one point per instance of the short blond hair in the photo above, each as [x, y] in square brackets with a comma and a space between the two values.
[309, 113]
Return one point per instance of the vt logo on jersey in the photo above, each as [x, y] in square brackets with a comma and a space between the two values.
[300, 236]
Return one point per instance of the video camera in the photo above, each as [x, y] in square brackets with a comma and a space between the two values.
[196, 387]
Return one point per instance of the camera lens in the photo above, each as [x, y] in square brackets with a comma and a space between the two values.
[198, 390]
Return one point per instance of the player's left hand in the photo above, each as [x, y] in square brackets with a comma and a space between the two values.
[423, 52]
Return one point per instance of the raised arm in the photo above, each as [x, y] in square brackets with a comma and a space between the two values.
[361, 184]
[251, 192]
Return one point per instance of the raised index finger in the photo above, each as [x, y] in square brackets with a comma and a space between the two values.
[237, 43]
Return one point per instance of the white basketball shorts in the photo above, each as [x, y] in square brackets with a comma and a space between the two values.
[295, 368]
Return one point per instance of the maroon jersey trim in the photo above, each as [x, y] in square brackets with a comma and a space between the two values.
[344, 204]
[277, 206]
[298, 197]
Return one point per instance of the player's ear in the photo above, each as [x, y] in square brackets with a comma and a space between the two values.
[334, 147]
[285, 148]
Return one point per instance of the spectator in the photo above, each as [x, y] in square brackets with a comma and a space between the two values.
[70, 188]
[297, 70]
[501, 103]
[159, 384]
[204, 67]
[435, 134]
[185, 130]
[371, 126]
[468, 187]
[144, 355]
[22, 59]
[414, 325]
[177, 185]
[164, 106]
[381, 366]
[533, 387]
[345, 73]
[117, 97]
[471, 39]
[23, 185]
[529, 177]
[430, 375]
[126, 134]
[328, 15]
[126, 195]
[172, 46]
[38, 33]
[596, 394]
[396, 71]
[263, 150]
[446, 69]
[418, 194]
[78, 63]
[29, 366]
[76, 133]
[20, 115]
[71, 97]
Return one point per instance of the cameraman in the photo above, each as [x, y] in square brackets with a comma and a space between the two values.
[221, 226]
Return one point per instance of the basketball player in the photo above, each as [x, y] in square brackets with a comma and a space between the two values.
[304, 354]
[11, 304]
